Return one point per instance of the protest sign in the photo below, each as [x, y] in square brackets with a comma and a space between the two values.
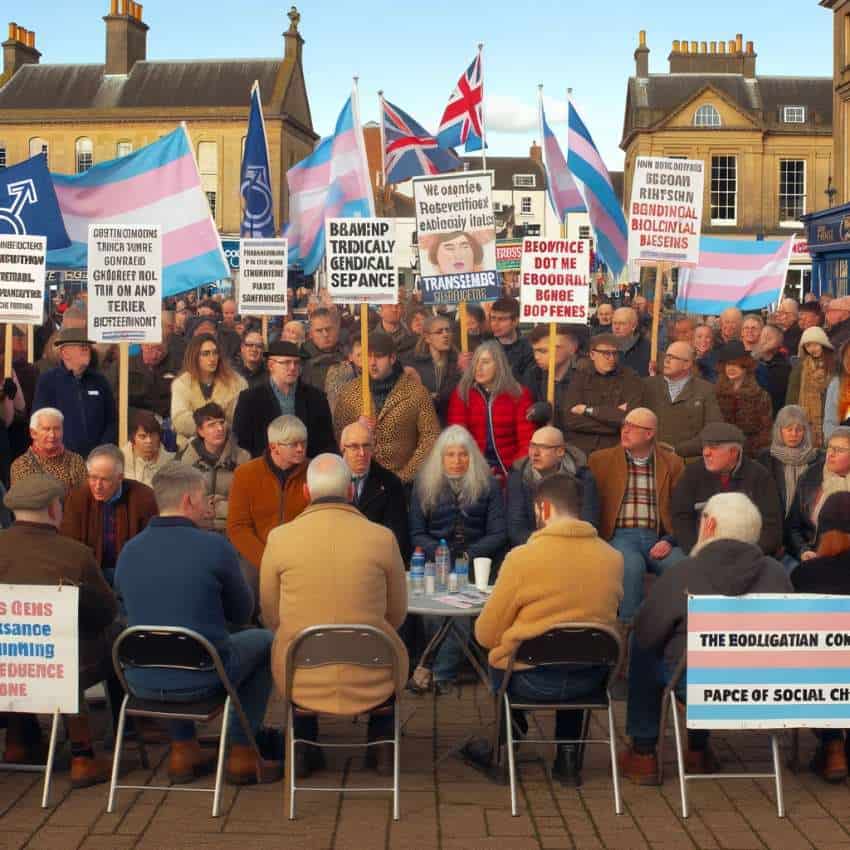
[508, 255]
[22, 277]
[359, 253]
[665, 214]
[262, 277]
[125, 283]
[39, 667]
[456, 234]
[554, 281]
[768, 661]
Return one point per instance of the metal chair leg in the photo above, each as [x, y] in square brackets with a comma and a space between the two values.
[615, 768]
[396, 758]
[51, 754]
[116, 756]
[290, 731]
[509, 732]
[680, 758]
[222, 748]
[777, 769]
[662, 734]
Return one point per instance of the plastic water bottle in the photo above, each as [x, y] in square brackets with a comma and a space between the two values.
[417, 572]
[430, 579]
[453, 581]
[462, 572]
[443, 562]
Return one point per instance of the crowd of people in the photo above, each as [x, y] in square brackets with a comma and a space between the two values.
[254, 498]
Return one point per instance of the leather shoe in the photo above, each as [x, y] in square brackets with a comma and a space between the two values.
[830, 761]
[89, 770]
[187, 761]
[639, 768]
[243, 767]
[565, 767]
[380, 759]
[478, 753]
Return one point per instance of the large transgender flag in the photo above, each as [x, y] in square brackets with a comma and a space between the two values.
[563, 192]
[742, 273]
[157, 184]
[606, 214]
[333, 182]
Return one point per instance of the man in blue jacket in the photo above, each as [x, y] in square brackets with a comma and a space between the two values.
[82, 394]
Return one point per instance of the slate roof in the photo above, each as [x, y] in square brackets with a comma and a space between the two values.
[504, 168]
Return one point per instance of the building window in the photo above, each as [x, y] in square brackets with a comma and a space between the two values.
[524, 181]
[584, 231]
[37, 146]
[123, 148]
[707, 116]
[724, 189]
[794, 114]
[85, 154]
[792, 190]
[208, 166]
[525, 206]
[2, 156]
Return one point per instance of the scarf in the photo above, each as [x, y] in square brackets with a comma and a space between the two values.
[383, 387]
[794, 463]
[814, 379]
[832, 483]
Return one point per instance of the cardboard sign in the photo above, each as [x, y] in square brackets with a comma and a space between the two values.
[456, 233]
[262, 277]
[39, 649]
[768, 661]
[509, 255]
[554, 281]
[665, 214]
[360, 263]
[125, 283]
[22, 278]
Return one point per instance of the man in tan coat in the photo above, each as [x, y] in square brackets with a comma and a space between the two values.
[331, 565]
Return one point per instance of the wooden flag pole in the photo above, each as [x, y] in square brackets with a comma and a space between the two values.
[464, 342]
[30, 344]
[656, 311]
[365, 393]
[7, 352]
[266, 331]
[550, 377]
[123, 392]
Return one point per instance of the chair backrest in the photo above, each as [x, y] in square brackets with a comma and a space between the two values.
[576, 644]
[165, 648]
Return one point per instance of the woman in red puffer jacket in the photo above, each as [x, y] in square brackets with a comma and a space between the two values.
[492, 406]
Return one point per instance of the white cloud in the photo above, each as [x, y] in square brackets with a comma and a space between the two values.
[509, 114]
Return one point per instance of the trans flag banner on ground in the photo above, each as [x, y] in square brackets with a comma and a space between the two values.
[768, 661]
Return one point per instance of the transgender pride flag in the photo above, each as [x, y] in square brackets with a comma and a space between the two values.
[744, 273]
[333, 182]
[157, 184]
[606, 214]
[563, 192]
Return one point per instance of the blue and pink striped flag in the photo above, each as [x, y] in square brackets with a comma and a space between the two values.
[333, 182]
[157, 184]
[606, 214]
[563, 192]
[744, 273]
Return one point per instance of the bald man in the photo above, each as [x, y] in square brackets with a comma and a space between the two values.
[635, 481]
[634, 346]
[683, 402]
[730, 323]
[548, 453]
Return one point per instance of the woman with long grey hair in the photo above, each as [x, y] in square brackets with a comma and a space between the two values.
[456, 499]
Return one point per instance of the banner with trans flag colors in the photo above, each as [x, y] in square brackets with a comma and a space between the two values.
[158, 184]
[563, 192]
[744, 273]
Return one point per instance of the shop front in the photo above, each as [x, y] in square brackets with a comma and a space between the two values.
[828, 234]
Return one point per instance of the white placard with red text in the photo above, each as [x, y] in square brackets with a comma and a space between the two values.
[555, 281]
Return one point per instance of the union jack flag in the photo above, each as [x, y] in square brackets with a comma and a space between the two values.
[463, 119]
[409, 149]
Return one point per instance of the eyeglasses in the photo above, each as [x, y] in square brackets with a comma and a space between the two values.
[358, 447]
[674, 357]
[632, 426]
[441, 331]
[208, 352]
[542, 446]
[292, 363]
[295, 444]
[606, 352]
[838, 450]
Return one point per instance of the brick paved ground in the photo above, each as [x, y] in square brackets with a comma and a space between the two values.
[444, 804]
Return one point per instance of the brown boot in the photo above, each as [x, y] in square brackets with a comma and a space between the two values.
[830, 761]
[243, 768]
[640, 768]
[187, 761]
[89, 770]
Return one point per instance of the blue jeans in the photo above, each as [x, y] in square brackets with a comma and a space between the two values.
[634, 545]
[248, 667]
[648, 676]
[554, 684]
[450, 654]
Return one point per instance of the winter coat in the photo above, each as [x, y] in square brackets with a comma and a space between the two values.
[722, 568]
[777, 471]
[139, 469]
[828, 575]
[774, 377]
[424, 366]
[315, 369]
[708, 366]
[750, 409]
[520, 356]
[800, 531]
[384, 501]
[504, 415]
[839, 334]
[186, 398]
[536, 379]
[253, 379]
[150, 386]
[636, 355]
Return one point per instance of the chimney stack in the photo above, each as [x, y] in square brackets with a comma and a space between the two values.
[536, 152]
[292, 41]
[126, 37]
[642, 57]
[18, 50]
[701, 57]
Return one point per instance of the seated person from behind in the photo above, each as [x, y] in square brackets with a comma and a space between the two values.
[727, 561]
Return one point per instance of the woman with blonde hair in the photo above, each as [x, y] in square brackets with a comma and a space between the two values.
[206, 377]
[810, 377]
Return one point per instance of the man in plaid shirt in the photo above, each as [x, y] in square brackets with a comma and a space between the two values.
[635, 481]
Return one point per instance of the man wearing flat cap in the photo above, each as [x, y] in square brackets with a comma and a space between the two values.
[283, 394]
[80, 393]
[33, 552]
[404, 423]
[725, 469]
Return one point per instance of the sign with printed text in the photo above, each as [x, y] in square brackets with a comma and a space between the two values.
[359, 254]
[508, 255]
[125, 283]
[665, 214]
[39, 648]
[768, 661]
[554, 281]
[262, 277]
[456, 233]
[22, 279]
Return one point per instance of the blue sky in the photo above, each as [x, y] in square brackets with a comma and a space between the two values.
[416, 52]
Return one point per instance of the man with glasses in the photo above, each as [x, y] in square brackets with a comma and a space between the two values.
[548, 454]
[283, 394]
[250, 363]
[600, 395]
[635, 481]
[683, 403]
[837, 312]
[378, 493]
[787, 318]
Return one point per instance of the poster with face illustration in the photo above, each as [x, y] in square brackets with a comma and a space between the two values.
[456, 233]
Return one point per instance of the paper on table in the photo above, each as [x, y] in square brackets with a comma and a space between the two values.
[456, 600]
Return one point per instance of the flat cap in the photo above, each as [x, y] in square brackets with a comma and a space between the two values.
[718, 433]
[68, 336]
[382, 344]
[33, 493]
[283, 348]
